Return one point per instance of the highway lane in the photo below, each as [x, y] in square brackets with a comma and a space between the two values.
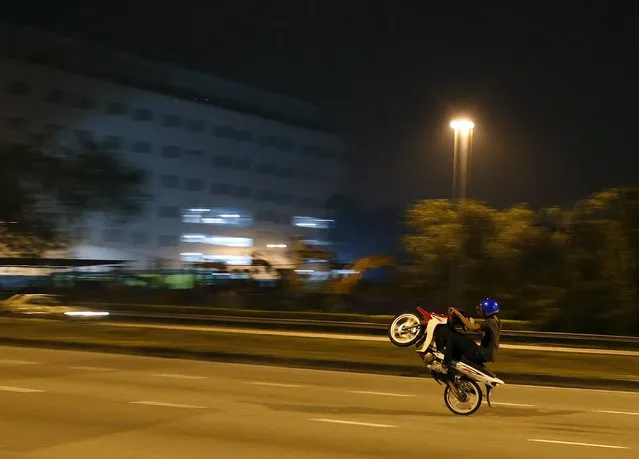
[64, 404]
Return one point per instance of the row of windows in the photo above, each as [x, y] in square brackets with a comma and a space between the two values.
[260, 216]
[58, 96]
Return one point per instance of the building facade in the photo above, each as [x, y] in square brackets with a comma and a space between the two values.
[231, 170]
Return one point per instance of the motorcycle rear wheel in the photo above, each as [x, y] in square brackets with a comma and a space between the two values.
[474, 397]
[405, 330]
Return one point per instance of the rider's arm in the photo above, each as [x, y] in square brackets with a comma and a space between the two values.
[471, 326]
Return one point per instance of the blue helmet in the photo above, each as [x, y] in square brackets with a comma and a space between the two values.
[489, 307]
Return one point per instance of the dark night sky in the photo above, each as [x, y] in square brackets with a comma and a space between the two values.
[554, 98]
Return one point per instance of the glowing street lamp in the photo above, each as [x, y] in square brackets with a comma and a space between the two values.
[462, 125]
[461, 149]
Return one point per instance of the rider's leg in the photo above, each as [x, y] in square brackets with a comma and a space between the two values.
[460, 346]
[457, 345]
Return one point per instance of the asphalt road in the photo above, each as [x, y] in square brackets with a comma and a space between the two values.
[61, 404]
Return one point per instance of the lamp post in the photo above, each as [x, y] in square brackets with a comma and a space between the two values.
[462, 146]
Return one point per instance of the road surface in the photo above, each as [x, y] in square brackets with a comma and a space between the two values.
[71, 405]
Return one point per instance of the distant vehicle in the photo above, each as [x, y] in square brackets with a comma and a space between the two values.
[46, 306]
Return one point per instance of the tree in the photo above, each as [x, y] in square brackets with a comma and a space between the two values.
[496, 248]
[573, 269]
[48, 186]
[601, 256]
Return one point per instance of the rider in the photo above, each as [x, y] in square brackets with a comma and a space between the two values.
[458, 345]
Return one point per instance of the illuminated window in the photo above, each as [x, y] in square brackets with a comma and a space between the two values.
[311, 222]
[218, 216]
[316, 242]
[236, 260]
[225, 241]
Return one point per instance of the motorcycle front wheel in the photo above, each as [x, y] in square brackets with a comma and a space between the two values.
[470, 401]
[405, 330]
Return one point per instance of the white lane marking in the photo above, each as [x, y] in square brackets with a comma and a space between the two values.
[250, 331]
[22, 390]
[349, 337]
[572, 443]
[91, 368]
[389, 394]
[570, 350]
[577, 389]
[259, 383]
[630, 413]
[522, 405]
[167, 405]
[178, 376]
[17, 362]
[365, 424]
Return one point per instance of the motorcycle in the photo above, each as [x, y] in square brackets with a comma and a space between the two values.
[463, 394]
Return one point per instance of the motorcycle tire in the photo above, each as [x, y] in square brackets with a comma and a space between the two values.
[396, 330]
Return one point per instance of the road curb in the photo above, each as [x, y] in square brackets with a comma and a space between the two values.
[318, 364]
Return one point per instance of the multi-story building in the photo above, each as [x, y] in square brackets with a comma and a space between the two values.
[232, 169]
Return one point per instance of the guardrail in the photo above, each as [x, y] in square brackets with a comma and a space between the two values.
[367, 328]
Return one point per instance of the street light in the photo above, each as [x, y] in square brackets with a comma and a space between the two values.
[461, 149]
[462, 124]
[462, 145]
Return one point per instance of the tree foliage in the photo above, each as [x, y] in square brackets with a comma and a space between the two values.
[47, 187]
[570, 269]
